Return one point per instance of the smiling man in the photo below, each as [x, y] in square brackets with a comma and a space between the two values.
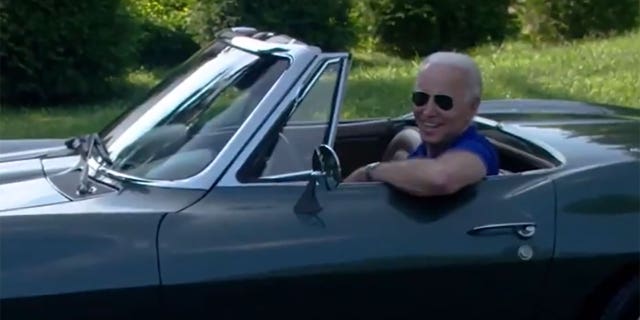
[445, 152]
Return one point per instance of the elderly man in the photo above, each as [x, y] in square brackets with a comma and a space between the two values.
[445, 152]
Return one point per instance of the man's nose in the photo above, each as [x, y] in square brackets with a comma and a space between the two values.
[429, 109]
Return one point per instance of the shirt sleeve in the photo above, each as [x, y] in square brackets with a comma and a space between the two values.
[484, 152]
[419, 152]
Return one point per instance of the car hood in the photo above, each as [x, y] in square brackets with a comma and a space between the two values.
[552, 110]
[23, 182]
[585, 134]
[23, 149]
[585, 143]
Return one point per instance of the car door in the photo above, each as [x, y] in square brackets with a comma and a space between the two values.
[243, 251]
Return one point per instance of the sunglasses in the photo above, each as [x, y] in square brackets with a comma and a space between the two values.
[443, 102]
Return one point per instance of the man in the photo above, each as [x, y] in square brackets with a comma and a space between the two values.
[445, 152]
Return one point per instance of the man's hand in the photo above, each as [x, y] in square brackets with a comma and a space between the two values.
[359, 175]
[427, 177]
[444, 175]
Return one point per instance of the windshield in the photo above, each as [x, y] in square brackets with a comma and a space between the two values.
[184, 121]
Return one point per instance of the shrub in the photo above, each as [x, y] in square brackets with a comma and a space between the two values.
[320, 22]
[61, 50]
[579, 18]
[363, 22]
[160, 46]
[172, 14]
[164, 39]
[545, 20]
[406, 27]
[418, 27]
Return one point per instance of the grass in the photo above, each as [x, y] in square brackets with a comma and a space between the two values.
[603, 71]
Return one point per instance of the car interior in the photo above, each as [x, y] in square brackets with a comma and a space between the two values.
[361, 142]
[357, 143]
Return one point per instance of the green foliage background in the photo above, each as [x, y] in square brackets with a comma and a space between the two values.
[55, 50]
[163, 38]
[64, 51]
[324, 23]
[417, 27]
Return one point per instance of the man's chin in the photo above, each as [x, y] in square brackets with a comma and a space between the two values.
[430, 138]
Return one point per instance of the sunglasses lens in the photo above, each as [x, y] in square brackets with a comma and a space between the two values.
[444, 102]
[419, 98]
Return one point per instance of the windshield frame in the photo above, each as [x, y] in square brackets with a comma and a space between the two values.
[299, 57]
[291, 102]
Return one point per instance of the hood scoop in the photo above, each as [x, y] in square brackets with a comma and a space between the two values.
[24, 149]
[23, 184]
[16, 171]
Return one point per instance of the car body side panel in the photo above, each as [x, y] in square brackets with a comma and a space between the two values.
[120, 248]
[64, 261]
[98, 252]
[371, 252]
[598, 236]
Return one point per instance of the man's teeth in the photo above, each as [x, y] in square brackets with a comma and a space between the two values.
[430, 125]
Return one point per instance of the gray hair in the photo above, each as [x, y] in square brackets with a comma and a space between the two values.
[460, 60]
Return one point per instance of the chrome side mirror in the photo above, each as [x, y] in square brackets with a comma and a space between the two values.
[326, 166]
[327, 172]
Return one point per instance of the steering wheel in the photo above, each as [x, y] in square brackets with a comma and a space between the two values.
[404, 142]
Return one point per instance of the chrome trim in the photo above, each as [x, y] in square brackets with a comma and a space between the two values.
[125, 177]
[487, 121]
[296, 176]
[300, 58]
[308, 85]
[338, 98]
[32, 152]
[522, 229]
[305, 86]
[257, 46]
[286, 105]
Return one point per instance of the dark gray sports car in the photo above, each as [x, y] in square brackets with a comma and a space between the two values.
[219, 196]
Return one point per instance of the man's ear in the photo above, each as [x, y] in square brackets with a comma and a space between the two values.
[475, 104]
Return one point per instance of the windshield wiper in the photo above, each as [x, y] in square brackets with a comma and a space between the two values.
[85, 145]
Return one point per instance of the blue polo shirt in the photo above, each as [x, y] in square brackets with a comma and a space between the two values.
[470, 140]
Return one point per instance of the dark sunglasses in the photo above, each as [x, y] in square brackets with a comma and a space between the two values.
[420, 99]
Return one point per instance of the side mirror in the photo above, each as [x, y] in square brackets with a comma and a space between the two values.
[327, 172]
[326, 166]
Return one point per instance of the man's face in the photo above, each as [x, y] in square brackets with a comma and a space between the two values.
[438, 126]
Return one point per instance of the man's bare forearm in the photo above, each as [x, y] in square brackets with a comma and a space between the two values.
[419, 177]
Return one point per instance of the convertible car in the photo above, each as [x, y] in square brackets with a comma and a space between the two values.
[220, 195]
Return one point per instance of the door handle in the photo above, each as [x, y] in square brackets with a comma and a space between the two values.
[523, 229]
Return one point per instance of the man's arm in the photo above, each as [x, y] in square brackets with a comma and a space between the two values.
[427, 177]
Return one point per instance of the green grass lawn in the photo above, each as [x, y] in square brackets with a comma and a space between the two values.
[604, 71]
